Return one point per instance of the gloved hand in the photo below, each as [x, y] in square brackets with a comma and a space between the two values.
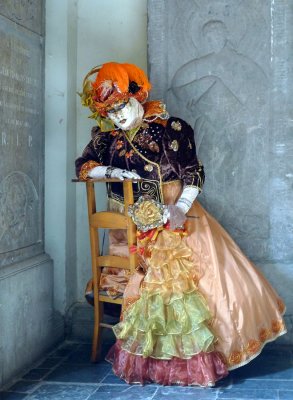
[111, 172]
[176, 213]
[175, 216]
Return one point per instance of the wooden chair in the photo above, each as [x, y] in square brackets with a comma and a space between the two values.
[107, 220]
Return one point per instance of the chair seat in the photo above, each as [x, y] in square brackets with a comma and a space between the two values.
[104, 293]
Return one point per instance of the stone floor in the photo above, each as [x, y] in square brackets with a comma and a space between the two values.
[67, 373]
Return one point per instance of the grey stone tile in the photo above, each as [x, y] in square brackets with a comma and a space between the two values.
[83, 373]
[122, 392]
[62, 391]
[285, 395]
[111, 379]
[179, 393]
[263, 384]
[23, 386]
[249, 394]
[36, 374]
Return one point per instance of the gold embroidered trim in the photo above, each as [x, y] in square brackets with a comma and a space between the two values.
[277, 326]
[150, 162]
[264, 334]
[281, 305]
[254, 346]
[85, 169]
[235, 358]
[175, 180]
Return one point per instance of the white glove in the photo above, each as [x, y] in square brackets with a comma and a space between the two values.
[111, 172]
[187, 197]
[176, 213]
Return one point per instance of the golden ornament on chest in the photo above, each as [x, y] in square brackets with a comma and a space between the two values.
[148, 167]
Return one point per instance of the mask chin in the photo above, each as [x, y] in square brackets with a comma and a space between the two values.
[132, 113]
[130, 124]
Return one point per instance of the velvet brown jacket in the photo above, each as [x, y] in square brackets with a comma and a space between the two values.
[158, 152]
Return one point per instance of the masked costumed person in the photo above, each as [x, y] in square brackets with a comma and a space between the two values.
[201, 307]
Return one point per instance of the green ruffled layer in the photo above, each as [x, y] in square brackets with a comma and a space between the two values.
[178, 329]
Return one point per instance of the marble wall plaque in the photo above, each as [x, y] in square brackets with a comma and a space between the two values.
[21, 142]
[28, 13]
[217, 65]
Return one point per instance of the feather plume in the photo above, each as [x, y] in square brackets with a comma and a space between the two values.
[104, 90]
[115, 73]
[137, 75]
[155, 108]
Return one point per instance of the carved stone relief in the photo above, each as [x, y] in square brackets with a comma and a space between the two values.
[18, 212]
[218, 80]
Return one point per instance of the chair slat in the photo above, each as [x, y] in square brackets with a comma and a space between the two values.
[108, 220]
[113, 261]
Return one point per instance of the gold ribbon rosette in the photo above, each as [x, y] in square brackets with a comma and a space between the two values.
[147, 213]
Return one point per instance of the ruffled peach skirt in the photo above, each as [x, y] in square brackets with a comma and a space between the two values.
[201, 308]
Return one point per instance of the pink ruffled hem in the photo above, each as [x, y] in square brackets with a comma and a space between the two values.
[203, 369]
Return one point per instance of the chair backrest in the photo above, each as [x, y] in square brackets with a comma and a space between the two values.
[110, 220]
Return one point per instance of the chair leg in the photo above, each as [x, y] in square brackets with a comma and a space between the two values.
[96, 343]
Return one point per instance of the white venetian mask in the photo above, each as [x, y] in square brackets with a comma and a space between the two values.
[127, 115]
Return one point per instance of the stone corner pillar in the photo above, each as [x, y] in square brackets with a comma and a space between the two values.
[26, 271]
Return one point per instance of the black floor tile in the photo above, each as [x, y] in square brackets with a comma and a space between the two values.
[50, 362]
[36, 374]
[12, 396]
[24, 386]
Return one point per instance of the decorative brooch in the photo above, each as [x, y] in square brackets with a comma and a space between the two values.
[147, 213]
[174, 145]
[148, 167]
[176, 125]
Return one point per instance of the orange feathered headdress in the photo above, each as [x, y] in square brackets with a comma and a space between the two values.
[114, 83]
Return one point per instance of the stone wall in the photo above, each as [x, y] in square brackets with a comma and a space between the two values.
[224, 66]
[26, 272]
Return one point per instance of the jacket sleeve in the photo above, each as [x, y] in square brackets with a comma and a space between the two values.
[92, 155]
[181, 153]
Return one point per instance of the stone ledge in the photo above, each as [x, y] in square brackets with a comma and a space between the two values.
[13, 269]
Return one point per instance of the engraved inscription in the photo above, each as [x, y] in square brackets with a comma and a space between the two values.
[19, 99]
[21, 142]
